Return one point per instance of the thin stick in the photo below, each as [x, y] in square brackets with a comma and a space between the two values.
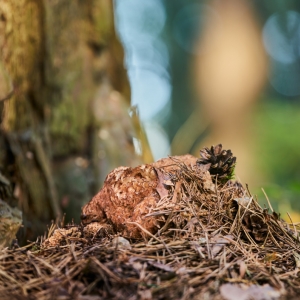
[296, 233]
[269, 203]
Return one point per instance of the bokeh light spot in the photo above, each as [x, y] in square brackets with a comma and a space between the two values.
[139, 20]
[150, 92]
[282, 41]
[189, 23]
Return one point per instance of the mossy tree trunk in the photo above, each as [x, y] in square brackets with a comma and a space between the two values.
[59, 127]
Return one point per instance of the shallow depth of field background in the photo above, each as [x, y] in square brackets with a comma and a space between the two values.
[208, 72]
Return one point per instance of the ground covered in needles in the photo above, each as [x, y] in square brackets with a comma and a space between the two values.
[213, 241]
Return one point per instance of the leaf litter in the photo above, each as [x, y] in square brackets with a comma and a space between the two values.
[213, 241]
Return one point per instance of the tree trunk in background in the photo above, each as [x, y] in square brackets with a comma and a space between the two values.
[59, 127]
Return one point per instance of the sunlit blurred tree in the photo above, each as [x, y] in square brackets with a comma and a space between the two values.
[267, 129]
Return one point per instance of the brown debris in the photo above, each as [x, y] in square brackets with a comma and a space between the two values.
[96, 229]
[129, 194]
[214, 242]
[62, 236]
[10, 222]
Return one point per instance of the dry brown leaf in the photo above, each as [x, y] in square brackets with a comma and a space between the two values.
[161, 266]
[243, 269]
[160, 188]
[207, 182]
[219, 242]
[241, 292]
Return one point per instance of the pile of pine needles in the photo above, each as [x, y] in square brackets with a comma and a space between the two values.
[215, 243]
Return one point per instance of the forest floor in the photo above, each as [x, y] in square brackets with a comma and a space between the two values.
[215, 242]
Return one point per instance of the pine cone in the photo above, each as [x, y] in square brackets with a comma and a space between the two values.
[219, 162]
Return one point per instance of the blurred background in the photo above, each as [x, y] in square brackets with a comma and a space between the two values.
[87, 86]
[208, 72]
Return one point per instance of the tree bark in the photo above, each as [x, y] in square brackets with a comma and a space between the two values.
[59, 129]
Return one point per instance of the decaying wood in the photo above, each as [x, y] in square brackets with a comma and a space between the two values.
[130, 194]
